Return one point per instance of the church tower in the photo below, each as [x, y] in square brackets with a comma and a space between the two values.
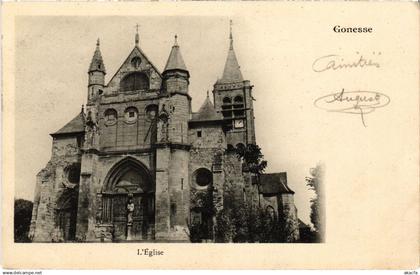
[175, 86]
[172, 151]
[90, 149]
[233, 99]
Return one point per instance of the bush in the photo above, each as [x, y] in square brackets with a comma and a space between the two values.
[224, 230]
[22, 220]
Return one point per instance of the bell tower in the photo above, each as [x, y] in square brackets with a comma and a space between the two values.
[233, 99]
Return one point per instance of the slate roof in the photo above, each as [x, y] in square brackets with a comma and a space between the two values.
[76, 125]
[175, 60]
[97, 64]
[232, 72]
[206, 112]
[274, 183]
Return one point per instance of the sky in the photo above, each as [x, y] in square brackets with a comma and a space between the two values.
[53, 55]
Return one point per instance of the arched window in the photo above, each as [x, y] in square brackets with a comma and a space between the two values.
[227, 107]
[135, 62]
[202, 177]
[227, 100]
[131, 114]
[238, 106]
[135, 81]
[238, 99]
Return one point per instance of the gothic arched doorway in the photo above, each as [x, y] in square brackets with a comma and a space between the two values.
[129, 201]
[66, 215]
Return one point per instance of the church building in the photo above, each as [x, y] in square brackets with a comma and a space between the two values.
[132, 165]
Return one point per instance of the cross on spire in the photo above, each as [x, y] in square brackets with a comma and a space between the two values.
[137, 35]
[230, 26]
[176, 40]
[230, 33]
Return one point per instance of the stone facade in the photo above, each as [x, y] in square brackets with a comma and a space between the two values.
[138, 143]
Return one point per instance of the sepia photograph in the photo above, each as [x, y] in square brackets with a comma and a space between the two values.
[151, 153]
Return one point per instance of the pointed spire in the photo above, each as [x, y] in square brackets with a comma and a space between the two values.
[97, 63]
[232, 72]
[175, 60]
[206, 111]
[137, 38]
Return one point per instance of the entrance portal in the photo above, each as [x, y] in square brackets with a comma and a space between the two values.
[128, 201]
[66, 215]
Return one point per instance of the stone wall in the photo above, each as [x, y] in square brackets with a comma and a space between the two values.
[162, 214]
[124, 134]
[179, 195]
[234, 179]
[178, 107]
[52, 182]
[207, 152]
[176, 82]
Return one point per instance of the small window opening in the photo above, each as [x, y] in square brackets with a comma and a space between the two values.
[198, 133]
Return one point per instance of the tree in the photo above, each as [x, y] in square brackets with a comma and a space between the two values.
[252, 157]
[240, 222]
[315, 183]
[224, 230]
[202, 202]
[22, 220]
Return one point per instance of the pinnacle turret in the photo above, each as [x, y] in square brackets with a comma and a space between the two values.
[97, 63]
[175, 60]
